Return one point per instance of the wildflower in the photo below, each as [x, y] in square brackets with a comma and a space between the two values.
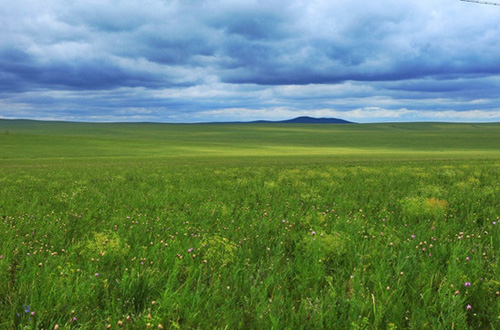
[467, 284]
[467, 259]
[56, 326]
[457, 293]
[494, 222]
[96, 274]
[469, 307]
[190, 250]
[413, 236]
[313, 233]
[1, 256]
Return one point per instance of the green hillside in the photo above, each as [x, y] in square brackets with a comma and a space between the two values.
[31, 139]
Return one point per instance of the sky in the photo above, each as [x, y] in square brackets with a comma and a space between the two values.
[220, 60]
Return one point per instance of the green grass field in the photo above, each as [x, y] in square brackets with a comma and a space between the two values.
[135, 226]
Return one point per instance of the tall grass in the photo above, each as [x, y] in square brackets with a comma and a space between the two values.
[371, 246]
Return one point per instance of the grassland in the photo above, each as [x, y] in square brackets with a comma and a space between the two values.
[249, 226]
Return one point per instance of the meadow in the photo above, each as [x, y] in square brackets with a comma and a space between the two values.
[275, 226]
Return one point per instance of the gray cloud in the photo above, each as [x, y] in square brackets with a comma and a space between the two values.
[160, 60]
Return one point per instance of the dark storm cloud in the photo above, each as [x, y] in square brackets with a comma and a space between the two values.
[361, 55]
[9, 79]
[262, 21]
[19, 70]
[93, 45]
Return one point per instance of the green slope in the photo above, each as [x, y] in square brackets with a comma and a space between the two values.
[36, 140]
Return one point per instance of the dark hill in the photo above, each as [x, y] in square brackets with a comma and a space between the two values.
[311, 120]
[298, 120]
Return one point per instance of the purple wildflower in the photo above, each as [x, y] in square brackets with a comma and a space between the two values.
[469, 307]
[467, 283]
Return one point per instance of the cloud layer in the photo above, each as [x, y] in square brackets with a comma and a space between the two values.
[195, 60]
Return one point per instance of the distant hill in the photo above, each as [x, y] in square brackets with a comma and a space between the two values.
[297, 120]
[312, 120]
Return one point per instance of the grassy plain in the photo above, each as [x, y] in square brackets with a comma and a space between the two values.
[249, 226]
